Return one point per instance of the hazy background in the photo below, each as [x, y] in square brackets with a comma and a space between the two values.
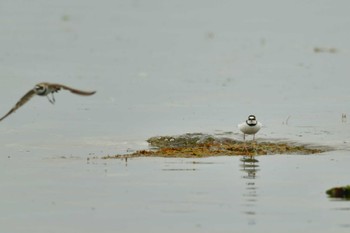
[170, 67]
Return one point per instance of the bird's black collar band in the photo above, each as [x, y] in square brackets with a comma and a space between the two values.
[250, 124]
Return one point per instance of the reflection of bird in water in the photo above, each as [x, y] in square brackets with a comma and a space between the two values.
[250, 166]
[44, 89]
[250, 126]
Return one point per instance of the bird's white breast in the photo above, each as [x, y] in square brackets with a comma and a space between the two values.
[247, 129]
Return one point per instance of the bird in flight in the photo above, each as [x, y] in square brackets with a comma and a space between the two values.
[44, 89]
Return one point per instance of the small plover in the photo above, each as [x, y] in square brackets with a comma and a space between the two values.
[44, 89]
[250, 126]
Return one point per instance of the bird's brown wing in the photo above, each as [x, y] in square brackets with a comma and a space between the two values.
[22, 101]
[57, 87]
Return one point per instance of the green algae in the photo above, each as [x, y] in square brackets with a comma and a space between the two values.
[339, 192]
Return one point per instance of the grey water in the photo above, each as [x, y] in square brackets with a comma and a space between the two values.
[168, 68]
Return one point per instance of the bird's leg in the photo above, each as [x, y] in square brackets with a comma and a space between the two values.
[245, 148]
[52, 100]
[254, 145]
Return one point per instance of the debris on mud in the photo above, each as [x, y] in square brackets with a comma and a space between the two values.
[197, 145]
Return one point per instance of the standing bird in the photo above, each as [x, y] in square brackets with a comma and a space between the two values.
[44, 89]
[250, 126]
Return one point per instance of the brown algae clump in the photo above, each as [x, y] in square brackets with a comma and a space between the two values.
[197, 145]
[339, 192]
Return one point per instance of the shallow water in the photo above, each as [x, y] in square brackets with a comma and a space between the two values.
[156, 194]
[163, 68]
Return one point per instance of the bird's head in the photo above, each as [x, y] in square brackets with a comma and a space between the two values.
[251, 117]
[40, 89]
[251, 120]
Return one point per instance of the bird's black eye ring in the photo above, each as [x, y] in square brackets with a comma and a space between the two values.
[251, 117]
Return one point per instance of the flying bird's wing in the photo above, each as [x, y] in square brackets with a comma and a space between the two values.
[57, 87]
[21, 102]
